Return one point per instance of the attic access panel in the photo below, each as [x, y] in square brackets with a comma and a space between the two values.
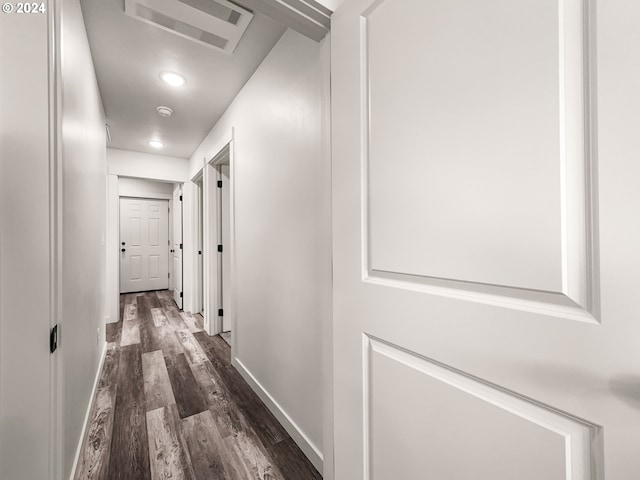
[218, 24]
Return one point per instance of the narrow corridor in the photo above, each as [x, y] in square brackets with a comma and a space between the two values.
[170, 405]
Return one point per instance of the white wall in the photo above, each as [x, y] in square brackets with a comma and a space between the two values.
[283, 236]
[83, 228]
[126, 163]
[25, 256]
[139, 187]
[331, 4]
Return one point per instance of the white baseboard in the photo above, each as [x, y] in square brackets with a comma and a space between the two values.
[308, 448]
[88, 414]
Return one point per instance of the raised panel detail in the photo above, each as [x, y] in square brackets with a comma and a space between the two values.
[477, 162]
[154, 232]
[135, 262]
[154, 208]
[426, 420]
[154, 266]
[135, 226]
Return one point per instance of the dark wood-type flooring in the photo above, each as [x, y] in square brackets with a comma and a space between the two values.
[169, 405]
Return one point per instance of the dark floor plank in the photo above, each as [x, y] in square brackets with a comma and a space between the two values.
[207, 382]
[166, 299]
[186, 391]
[148, 339]
[168, 455]
[154, 338]
[229, 418]
[157, 386]
[121, 312]
[94, 460]
[204, 444]
[290, 460]
[258, 415]
[113, 332]
[153, 300]
[129, 457]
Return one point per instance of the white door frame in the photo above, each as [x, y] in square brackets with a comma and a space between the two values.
[192, 281]
[213, 323]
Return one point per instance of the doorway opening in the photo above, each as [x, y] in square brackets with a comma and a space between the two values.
[218, 240]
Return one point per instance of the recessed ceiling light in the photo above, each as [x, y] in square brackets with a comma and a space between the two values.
[173, 79]
[156, 143]
[164, 111]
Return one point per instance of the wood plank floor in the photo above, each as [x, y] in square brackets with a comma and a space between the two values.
[170, 405]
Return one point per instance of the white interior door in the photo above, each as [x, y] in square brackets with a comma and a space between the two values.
[225, 215]
[485, 271]
[144, 244]
[177, 246]
[200, 262]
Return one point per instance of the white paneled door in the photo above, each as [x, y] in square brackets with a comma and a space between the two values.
[486, 240]
[144, 244]
[177, 247]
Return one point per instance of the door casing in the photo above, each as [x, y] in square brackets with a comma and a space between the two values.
[214, 323]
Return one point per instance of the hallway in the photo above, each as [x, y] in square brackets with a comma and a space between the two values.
[170, 405]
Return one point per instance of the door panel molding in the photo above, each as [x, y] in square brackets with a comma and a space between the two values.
[581, 442]
[575, 292]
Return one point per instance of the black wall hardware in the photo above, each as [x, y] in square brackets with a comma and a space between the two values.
[53, 339]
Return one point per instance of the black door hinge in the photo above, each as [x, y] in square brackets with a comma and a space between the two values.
[199, 252]
[220, 248]
[220, 312]
[180, 246]
[180, 294]
[180, 197]
[53, 339]
[219, 183]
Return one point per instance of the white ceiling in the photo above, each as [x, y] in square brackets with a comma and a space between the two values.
[129, 55]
